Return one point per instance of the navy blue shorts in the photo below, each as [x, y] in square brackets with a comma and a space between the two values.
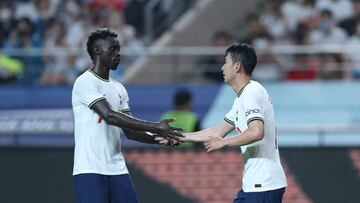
[272, 196]
[96, 188]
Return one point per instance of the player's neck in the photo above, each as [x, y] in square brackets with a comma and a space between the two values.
[101, 71]
[240, 83]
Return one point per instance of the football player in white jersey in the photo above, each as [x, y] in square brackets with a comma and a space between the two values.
[253, 118]
[100, 106]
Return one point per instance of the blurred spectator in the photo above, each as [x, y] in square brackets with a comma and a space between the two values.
[275, 23]
[45, 9]
[268, 66]
[254, 30]
[10, 69]
[327, 32]
[7, 21]
[26, 9]
[22, 36]
[354, 58]
[350, 24]
[136, 6]
[257, 34]
[304, 67]
[185, 119]
[77, 25]
[332, 66]
[211, 66]
[298, 11]
[340, 9]
[55, 56]
[98, 4]
[301, 34]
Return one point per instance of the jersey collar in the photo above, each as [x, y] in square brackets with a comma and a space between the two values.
[96, 75]
[242, 89]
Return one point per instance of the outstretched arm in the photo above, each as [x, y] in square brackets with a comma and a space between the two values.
[145, 137]
[125, 121]
[203, 135]
[254, 133]
[141, 136]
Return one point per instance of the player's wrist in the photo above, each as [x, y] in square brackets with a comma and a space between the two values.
[154, 127]
[226, 142]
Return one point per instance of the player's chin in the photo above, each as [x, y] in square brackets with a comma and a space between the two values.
[114, 66]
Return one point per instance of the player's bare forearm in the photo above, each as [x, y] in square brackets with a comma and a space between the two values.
[140, 136]
[123, 120]
[199, 136]
[244, 139]
[129, 122]
[204, 135]
[254, 133]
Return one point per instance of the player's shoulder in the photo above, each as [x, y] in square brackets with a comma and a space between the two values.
[254, 87]
[118, 85]
[85, 76]
[82, 79]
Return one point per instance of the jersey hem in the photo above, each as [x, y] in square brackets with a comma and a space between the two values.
[264, 189]
[101, 173]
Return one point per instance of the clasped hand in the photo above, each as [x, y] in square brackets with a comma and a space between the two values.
[168, 135]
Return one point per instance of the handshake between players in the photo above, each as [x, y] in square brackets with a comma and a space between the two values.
[173, 136]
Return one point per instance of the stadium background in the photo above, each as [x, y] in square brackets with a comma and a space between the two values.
[308, 61]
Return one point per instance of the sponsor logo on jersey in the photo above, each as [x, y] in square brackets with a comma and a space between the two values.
[252, 111]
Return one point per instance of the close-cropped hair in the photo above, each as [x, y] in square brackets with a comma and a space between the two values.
[245, 54]
[100, 33]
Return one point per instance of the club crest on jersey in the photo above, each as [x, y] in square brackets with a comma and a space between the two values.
[252, 111]
[120, 99]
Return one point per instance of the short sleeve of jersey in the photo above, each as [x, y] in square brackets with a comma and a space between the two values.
[254, 106]
[124, 107]
[86, 92]
[230, 116]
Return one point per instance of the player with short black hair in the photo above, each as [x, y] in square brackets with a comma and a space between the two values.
[252, 116]
[101, 107]
[245, 54]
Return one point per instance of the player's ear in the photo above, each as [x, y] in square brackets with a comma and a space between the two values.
[238, 67]
[96, 51]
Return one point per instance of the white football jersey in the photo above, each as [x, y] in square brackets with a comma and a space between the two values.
[262, 167]
[97, 144]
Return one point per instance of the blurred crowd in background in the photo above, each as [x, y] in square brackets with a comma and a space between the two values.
[298, 22]
[57, 27]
